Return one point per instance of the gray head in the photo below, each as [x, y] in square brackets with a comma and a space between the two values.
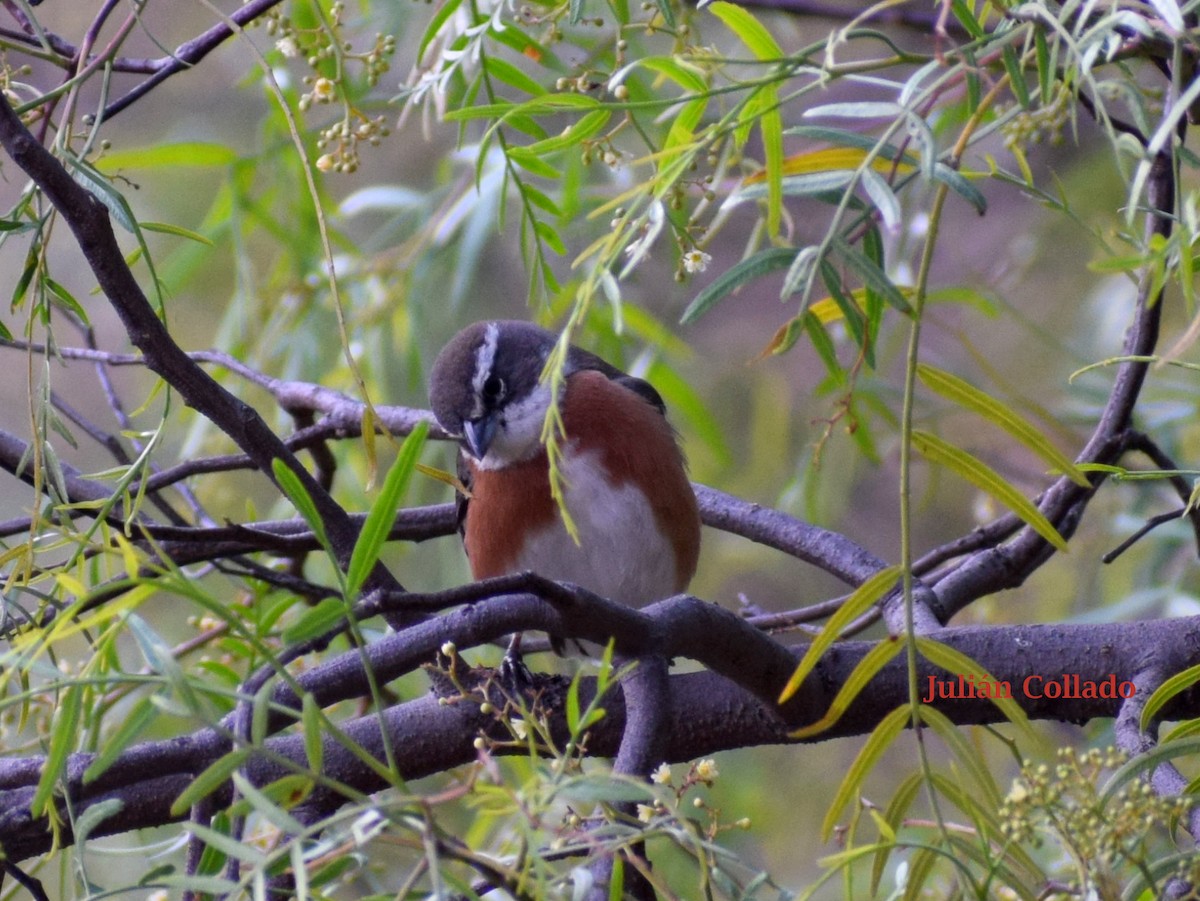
[484, 388]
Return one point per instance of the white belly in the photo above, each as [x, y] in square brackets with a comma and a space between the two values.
[622, 555]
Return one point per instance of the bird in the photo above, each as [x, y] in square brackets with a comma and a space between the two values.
[626, 486]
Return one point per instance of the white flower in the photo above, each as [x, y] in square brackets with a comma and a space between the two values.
[696, 260]
[288, 47]
[324, 89]
[662, 775]
[645, 813]
[706, 770]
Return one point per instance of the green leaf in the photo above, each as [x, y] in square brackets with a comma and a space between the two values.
[547, 104]
[731, 279]
[752, 32]
[770, 125]
[177, 230]
[99, 185]
[158, 156]
[512, 76]
[291, 486]
[897, 810]
[215, 775]
[67, 300]
[880, 740]
[227, 844]
[987, 480]
[995, 411]
[63, 733]
[864, 671]
[447, 9]
[316, 621]
[952, 736]
[92, 816]
[863, 597]
[383, 512]
[873, 277]
[1147, 762]
[958, 663]
[1015, 76]
[687, 77]
[533, 164]
[1164, 693]
[882, 197]
[574, 134]
[132, 724]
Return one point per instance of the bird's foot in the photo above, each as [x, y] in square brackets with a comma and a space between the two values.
[515, 676]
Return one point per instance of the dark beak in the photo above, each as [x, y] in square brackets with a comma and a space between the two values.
[479, 433]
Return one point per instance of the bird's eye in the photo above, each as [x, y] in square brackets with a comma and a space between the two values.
[493, 388]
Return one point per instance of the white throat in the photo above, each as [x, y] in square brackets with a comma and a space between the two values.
[519, 431]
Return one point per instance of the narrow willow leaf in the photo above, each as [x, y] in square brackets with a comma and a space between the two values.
[178, 231]
[533, 164]
[770, 126]
[545, 105]
[215, 775]
[986, 479]
[99, 185]
[439, 18]
[383, 512]
[266, 808]
[227, 844]
[132, 724]
[170, 156]
[995, 411]
[799, 272]
[67, 300]
[968, 756]
[873, 276]
[316, 621]
[314, 734]
[1016, 77]
[687, 77]
[811, 184]
[574, 134]
[863, 597]
[882, 198]
[64, 732]
[958, 663]
[896, 811]
[731, 279]
[958, 183]
[867, 109]
[92, 816]
[880, 740]
[752, 32]
[1147, 762]
[1164, 693]
[291, 485]
[864, 671]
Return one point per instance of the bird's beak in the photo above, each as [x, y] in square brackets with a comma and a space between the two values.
[479, 434]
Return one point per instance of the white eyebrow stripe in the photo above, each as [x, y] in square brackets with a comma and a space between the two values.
[485, 356]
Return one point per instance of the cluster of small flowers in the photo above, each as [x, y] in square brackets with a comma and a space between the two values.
[702, 772]
[1064, 801]
[339, 142]
[1047, 121]
[343, 138]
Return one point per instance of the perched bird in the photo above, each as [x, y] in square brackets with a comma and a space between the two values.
[625, 483]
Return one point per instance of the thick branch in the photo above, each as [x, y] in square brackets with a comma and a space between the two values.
[705, 713]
